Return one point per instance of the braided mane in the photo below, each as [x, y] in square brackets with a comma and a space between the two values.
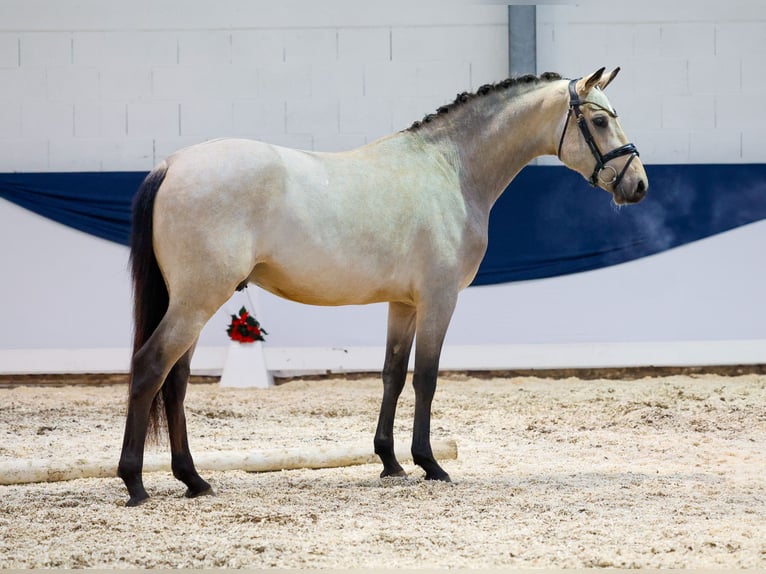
[507, 84]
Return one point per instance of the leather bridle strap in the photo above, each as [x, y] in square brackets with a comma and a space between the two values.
[601, 159]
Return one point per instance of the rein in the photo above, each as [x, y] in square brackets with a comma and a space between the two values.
[601, 159]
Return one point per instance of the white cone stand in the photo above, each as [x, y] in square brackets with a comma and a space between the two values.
[245, 364]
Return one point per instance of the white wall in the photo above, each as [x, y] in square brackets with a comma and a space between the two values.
[692, 80]
[116, 86]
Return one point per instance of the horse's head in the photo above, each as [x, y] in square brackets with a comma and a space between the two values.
[593, 143]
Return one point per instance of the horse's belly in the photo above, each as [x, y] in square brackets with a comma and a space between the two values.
[329, 285]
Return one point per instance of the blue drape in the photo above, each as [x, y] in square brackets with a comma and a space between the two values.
[97, 203]
[548, 223]
[551, 222]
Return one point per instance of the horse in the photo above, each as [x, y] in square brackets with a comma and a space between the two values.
[403, 220]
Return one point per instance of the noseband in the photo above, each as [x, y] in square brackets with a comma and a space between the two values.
[601, 159]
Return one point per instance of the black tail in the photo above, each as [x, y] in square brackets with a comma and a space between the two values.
[150, 294]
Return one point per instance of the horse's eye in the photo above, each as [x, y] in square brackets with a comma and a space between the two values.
[600, 121]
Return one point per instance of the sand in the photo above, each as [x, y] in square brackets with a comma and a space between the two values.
[659, 472]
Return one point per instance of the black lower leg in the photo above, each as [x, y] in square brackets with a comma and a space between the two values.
[422, 454]
[398, 345]
[174, 392]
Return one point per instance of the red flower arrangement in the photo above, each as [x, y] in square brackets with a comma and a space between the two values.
[245, 328]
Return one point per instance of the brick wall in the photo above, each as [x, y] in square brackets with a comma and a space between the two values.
[693, 80]
[101, 86]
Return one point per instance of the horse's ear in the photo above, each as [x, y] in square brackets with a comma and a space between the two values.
[585, 85]
[608, 80]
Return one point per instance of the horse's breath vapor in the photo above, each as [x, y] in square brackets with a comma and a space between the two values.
[402, 220]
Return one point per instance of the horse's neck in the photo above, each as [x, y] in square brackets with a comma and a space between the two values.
[496, 138]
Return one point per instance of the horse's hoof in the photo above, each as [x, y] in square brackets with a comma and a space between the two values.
[393, 473]
[440, 476]
[137, 500]
[196, 494]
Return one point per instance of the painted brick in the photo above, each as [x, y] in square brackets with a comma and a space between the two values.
[129, 155]
[257, 47]
[258, 118]
[753, 78]
[76, 155]
[337, 79]
[311, 45]
[651, 11]
[715, 75]
[663, 146]
[754, 146]
[696, 111]
[153, 119]
[9, 51]
[554, 56]
[10, 120]
[312, 116]
[101, 154]
[125, 83]
[487, 71]
[385, 79]
[125, 48]
[443, 79]
[715, 146]
[204, 81]
[647, 40]
[407, 110]
[636, 111]
[546, 160]
[23, 155]
[72, 83]
[679, 40]
[740, 39]
[367, 116]
[649, 73]
[338, 142]
[422, 44]
[206, 118]
[205, 48]
[46, 49]
[740, 112]
[284, 81]
[364, 45]
[166, 146]
[45, 119]
[179, 14]
[396, 79]
[21, 83]
[453, 43]
[100, 119]
[575, 51]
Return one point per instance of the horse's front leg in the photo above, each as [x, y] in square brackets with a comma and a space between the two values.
[432, 323]
[401, 330]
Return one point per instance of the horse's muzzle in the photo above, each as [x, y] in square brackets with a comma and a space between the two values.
[631, 191]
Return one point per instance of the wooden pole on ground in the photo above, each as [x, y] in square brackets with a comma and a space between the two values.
[27, 471]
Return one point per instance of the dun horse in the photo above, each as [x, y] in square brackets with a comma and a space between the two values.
[401, 220]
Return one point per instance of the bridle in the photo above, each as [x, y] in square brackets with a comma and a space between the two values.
[601, 159]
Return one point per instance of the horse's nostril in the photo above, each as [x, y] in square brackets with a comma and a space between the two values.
[641, 188]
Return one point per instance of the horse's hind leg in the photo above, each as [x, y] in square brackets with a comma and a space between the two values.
[151, 366]
[401, 329]
[173, 394]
